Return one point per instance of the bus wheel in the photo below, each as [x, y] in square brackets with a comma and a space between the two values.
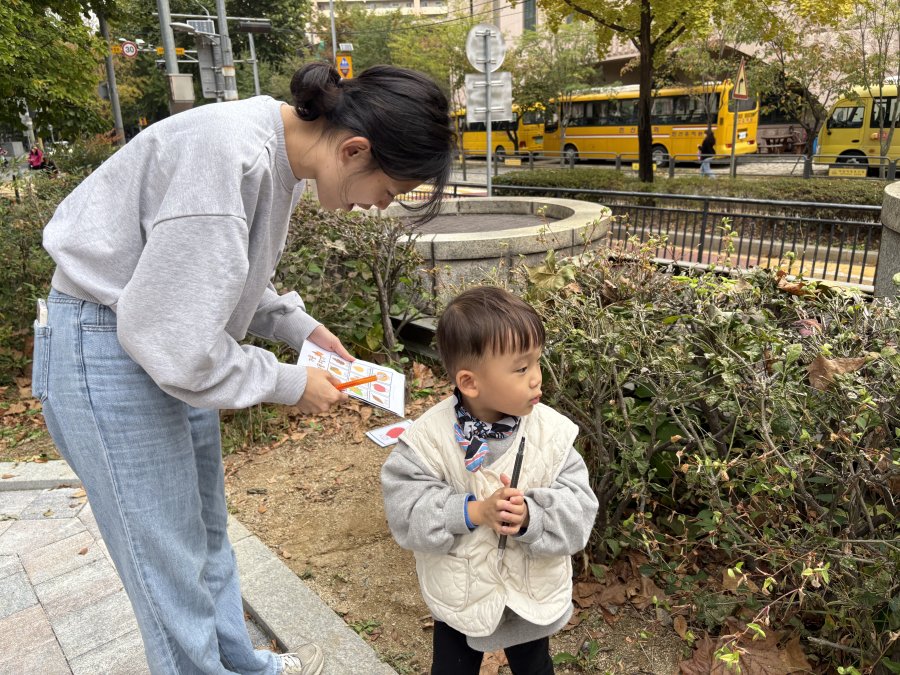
[853, 157]
[570, 153]
[660, 155]
[500, 152]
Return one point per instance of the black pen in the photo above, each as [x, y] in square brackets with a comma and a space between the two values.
[514, 482]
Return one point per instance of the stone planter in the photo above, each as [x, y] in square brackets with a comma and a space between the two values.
[472, 237]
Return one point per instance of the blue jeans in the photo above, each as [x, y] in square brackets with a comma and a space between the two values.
[152, 468]
[706, 168]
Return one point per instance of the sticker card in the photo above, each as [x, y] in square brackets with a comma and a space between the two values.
[386, 391]
[388, 435]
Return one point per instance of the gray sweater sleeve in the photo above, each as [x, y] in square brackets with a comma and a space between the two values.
[561, 517]
[282, 317]
[426, 514]
[423, 512]
[174, 326]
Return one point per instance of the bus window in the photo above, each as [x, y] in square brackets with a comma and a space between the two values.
[847, 117]
[663, 110]
[880, 115]
[533, 117]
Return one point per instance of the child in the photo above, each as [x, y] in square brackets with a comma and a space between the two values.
[448, 498]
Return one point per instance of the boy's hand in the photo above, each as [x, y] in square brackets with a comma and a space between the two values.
[505, 511]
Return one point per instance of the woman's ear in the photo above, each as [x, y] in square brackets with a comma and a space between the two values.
[355, 149]
[467, 383]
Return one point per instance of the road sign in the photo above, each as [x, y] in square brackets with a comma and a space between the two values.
[740, 92]
[501, 97]
[345, 65]
[480, 39]
[179, 51]
[129, 49]
[345, 46]
[115, 49]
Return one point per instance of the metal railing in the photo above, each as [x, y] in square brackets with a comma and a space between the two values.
[748, 165]
[833, 242]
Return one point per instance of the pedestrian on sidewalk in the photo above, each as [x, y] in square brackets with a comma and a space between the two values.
[449, 496]
[35, 158]
[706, 152]
[164, 257]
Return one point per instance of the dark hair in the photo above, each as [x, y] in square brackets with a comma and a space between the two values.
[486, 320]
[403, 114]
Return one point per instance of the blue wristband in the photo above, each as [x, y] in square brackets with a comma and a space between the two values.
[469, 524]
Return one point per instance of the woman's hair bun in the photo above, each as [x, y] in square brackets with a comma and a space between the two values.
[315, 88]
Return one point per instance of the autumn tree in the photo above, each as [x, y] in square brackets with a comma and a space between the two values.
[551, 65]
[873, 45]
[49, 57]
[437, 48]
[652, 26]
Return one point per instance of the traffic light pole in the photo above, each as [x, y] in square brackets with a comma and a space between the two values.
[227, 57]
[111, 84]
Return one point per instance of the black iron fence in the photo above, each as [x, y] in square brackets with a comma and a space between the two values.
[750, 165]
[833, 242]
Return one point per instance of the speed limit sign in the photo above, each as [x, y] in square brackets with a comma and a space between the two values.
[129, 49]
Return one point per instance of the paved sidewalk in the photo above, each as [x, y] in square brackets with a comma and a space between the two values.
[63, 608]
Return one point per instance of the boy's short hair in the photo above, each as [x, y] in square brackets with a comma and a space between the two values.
[486, 320]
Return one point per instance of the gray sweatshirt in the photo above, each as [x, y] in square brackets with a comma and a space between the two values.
[179, 232]
[426, 514]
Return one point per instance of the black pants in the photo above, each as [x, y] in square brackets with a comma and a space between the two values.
[453, 655]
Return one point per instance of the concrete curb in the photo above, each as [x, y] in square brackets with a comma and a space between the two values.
[274, 596]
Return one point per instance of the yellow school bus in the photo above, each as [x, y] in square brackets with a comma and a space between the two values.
[852, 133]
[602, 123]
[523, 135]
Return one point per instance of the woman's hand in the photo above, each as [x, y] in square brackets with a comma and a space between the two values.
[329, 342]
[321, 392]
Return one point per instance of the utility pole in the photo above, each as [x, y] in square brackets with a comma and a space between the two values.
[231, 93]
[111, 84]
[333, 36]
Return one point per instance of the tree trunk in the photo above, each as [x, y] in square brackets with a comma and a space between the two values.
[645, 130]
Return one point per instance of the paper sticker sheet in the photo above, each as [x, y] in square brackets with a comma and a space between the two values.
[388, 435]
[387, 391]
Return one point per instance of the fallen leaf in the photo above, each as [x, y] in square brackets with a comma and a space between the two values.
[262, 508]
[78, 494]
[48, 513]
[83, 551]
[491, 663]
[8, 475]
[680, 626]
[822, 371]
[794, 288]
[285, 554]
[16, 409]
[343, 468]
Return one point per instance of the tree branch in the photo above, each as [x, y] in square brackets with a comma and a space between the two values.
[603, 22]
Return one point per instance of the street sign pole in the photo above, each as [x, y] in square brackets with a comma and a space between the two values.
[734, 139]
[111, 82]
[487, 113]
[738, 93]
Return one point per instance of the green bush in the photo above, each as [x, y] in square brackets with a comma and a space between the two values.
[25, 268]
[830, 190]
[354, 271]
[709, 445]
[84, 155]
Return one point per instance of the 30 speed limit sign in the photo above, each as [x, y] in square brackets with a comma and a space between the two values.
[129, 49]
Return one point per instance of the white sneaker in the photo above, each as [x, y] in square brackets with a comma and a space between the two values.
[308, 660]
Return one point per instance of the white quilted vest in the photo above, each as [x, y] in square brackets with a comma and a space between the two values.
[464, 588]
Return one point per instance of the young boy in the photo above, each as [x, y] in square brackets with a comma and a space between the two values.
[448, 498]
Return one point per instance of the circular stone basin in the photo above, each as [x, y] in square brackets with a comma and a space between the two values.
[471, 238]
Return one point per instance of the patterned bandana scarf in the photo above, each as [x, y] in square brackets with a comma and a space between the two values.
[471, 433]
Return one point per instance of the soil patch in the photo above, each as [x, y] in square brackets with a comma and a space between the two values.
[316, 501]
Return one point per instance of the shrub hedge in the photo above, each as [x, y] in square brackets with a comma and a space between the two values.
[830, 190]
[738, 422]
